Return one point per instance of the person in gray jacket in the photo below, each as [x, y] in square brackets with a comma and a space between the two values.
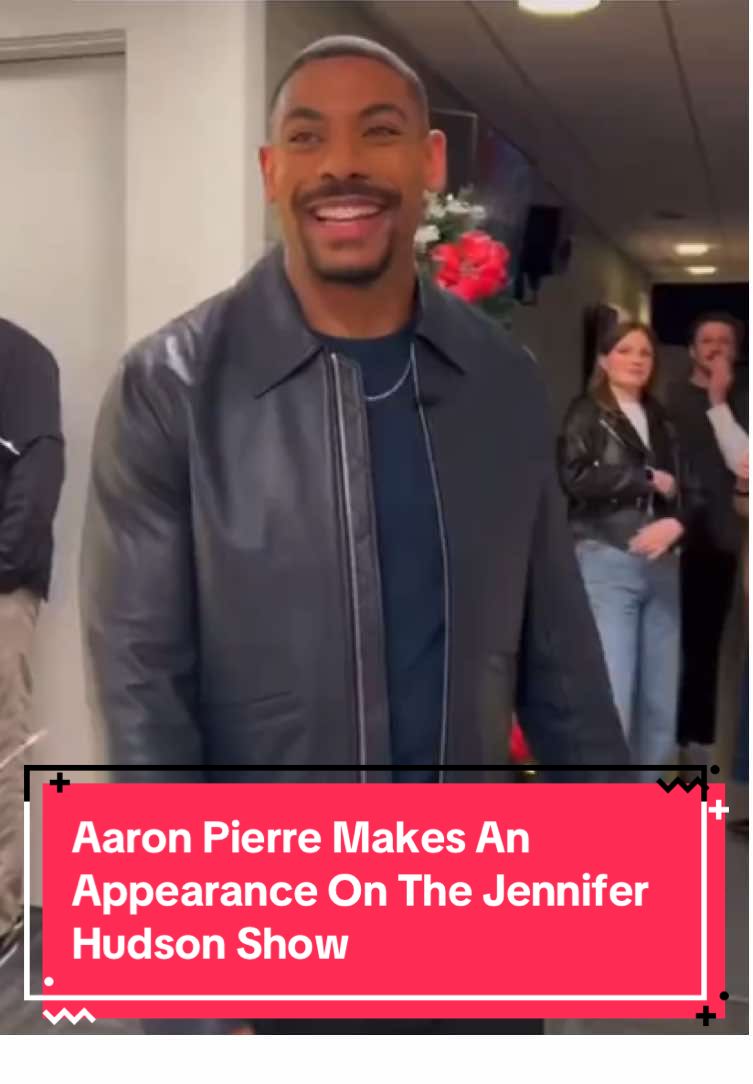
[31, 475]
[324, 526]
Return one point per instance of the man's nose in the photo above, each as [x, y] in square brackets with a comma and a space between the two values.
[343, 160]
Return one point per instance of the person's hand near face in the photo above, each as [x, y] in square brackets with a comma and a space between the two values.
[720, 377]
[713, 351]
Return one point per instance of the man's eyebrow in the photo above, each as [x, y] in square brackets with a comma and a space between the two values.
[383, 107]
[305, 112]
[302, 112]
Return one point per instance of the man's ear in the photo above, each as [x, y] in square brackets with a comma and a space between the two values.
[267, 166]
[436, 161]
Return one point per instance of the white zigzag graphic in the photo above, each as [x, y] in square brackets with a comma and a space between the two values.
[67, 1015]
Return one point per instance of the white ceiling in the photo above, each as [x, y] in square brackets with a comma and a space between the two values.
[635, 108]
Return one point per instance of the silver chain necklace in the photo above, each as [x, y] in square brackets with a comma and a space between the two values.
[398, 383]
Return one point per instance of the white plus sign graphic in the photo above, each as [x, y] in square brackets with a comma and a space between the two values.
[718, 810]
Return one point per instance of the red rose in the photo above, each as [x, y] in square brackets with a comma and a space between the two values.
[474, 267]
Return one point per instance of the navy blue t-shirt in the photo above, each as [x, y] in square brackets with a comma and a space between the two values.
[410, 551]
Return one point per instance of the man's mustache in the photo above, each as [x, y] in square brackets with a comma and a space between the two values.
[387, 197]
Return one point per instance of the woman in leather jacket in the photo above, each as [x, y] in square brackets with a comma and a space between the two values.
[629, 499]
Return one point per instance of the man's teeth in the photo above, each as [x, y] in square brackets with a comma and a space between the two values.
[346, 214]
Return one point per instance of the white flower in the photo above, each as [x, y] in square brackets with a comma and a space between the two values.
[441, 207]
[432, 205]
[457, 207]
[427, 235]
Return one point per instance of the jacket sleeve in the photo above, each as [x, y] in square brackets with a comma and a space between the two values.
[31, 442]
[564, 700]
[730, 436]
[692, 498]
[29, 505]
[582, 475]
[137, 581]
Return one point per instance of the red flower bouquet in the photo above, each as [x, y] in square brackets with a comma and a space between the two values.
[474, 267]
[461, 257]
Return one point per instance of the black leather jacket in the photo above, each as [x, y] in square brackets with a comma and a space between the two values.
[32, 460]
[604, 469]
[231, 598]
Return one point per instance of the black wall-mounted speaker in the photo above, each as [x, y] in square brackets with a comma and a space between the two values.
[546, 247]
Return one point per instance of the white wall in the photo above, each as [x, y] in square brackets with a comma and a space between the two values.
[194, 217]
[62, 278]
[186, 138]
[129, 193]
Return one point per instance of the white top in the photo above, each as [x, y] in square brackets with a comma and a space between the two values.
[731, 437]
[636, 415]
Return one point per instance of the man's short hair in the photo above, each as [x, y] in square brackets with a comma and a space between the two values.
[344, 45]
[717, 318]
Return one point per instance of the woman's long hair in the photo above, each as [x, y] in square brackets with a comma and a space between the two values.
[599, 387]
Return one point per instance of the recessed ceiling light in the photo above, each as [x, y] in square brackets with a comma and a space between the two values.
[558, 7]
[702, 270]
[694, 248]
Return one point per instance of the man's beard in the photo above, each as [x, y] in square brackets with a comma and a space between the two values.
[386, 198]
[350, 276]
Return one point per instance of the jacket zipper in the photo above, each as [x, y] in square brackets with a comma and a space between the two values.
[675, 460]
[612, 432]
[605, 424]
[445, 568]
[342, 444]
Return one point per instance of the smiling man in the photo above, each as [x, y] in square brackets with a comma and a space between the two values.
[324, 526]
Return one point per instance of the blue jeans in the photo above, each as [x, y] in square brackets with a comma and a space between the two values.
[636, 603]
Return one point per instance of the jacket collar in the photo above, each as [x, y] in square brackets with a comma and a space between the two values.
[625, 428]
[265, 316]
